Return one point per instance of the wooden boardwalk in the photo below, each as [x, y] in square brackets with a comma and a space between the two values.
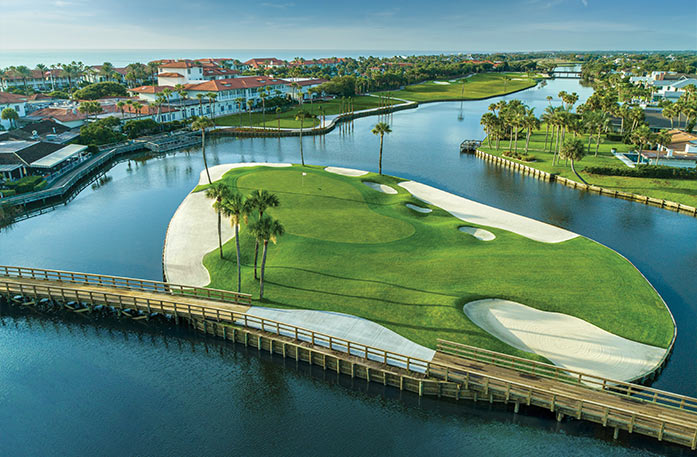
[457, 371]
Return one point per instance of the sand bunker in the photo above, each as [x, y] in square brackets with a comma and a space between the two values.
[443, 83]
[418, 209]
[567, 341]
[480, 214]
[346, 171]
[380, 187]
[478, 233]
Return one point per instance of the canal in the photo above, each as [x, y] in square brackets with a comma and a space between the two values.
[74, 386]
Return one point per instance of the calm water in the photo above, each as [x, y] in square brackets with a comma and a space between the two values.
[142, 390]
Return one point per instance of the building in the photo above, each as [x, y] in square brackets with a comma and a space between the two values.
[67, 115]
[24, 158]
[681, 143]
[667, 84]
[179, 72]
[265, 63]
[332, 62]
[38, 80]
[118, 74]
[300, 87]
[14, 101]
[45, 130]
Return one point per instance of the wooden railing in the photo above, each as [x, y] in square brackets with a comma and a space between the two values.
[120, 282]
[568, 376]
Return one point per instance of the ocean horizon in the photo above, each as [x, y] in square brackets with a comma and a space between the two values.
[123, 57]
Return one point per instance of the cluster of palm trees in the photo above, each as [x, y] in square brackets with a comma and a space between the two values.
[685, 106]
[506, 120]
[239, 209]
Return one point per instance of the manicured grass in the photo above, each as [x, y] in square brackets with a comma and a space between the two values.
[477, 86]
[330, 107]
[351, 249]
[678, 190]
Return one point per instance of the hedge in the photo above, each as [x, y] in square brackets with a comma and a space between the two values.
[645, 171]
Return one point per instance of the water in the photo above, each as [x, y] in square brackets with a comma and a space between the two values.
[122, 57]
[193, 401]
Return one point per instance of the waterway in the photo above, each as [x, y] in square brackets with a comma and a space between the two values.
[80, 387]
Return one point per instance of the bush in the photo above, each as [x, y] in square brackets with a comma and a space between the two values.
[645, 171]
[7, 192]
[101, 132]
[26, 184]
[59, 94]
[516, 155]
[136, 128]
[100, 90]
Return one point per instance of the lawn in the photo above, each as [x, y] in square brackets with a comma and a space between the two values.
[477, 86]
[330, 107]
[351, 249]
[678, 190]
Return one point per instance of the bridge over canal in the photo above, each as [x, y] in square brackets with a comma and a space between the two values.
[457, 371]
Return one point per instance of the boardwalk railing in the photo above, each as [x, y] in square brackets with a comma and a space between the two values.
[545, 370]
[120, 282]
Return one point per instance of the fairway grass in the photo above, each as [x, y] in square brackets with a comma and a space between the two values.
[354, 250]
[677, 190]
[477, 86]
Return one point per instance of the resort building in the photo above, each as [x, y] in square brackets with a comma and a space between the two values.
[669, 85]
[38, 80]
[300, 88]
[95, 74]
[14, 101]
[24, 158]
[67, 115]
[265, 63]
[45, 130]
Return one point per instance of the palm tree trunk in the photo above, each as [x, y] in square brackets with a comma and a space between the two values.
[527, 141]
[546, 134]
[239, 267]
[380, 160]
[263, 268]
[256, 256]
[220, 235]
[203, 147]
[597, 143]
[576, 173]
[302, 157]
[589, 142]
[516, 140]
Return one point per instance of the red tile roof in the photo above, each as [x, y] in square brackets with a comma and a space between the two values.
[8, 97]
[218, 71]
[256, 63]
[60, 114]
[170, 75]
[180, 64]
[246, 82]
[150, 89]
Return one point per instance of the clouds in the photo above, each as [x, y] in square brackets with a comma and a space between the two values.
[447, 25]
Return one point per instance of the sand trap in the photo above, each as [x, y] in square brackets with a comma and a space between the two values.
[347, 327]
[480, 214]
[442, 83]
[565, 340]
[193, 231]
[380, 187]
[346, 171]
[418, 209]
[480, 234]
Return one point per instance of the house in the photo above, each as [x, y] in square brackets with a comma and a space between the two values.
[118, 74]
[23, 158]
[270, 62]
[681, 143]
[67, 115]
[14, 101]
[676, 88]
[179, 72]
[45, 130]
[38, 80]
[300, 87]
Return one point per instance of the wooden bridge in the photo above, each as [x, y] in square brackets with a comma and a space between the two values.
[566, 74]
[457, 371]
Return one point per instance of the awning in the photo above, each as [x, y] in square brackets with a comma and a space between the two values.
[60, 156]
[9, 167]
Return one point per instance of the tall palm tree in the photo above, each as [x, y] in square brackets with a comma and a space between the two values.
[219, 192]
[167, 92]
[530, 123]
[301, 116]
[107, 70]
[664, 139]
[260, 201]
[200, 97]
[381, 128]
[120, 104]
[264, 230]
[24, 73]
[573, 150]
[211, 102]
[202, 123]
[237, 209]
[262, 96]
[278, 120]
[669, 112]
[240, 102]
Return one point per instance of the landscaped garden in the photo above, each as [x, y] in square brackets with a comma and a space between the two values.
[474, 87]
[315, 109]
[352, 249]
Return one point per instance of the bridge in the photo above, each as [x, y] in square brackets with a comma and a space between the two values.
[566, 74]
[457, 371]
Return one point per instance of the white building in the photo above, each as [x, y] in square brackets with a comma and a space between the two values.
[14, 101]
[300, 87]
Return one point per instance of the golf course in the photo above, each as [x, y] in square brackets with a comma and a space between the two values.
[351, 247]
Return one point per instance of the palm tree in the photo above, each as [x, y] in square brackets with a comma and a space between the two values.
[573, 150]
[261, 200]
[42, 68]
[381, 128]
[264, 230]
[487, 121]
[120, 104]
[664, 139]
[301, 116]
[9, 114]
[219, 192]
[669, 112]
[530, 122]
[278, 120]
[642, 136]
[157, 104]
[240, 102]
[106, 70]
[262, 95]
[23, 72]
[202, 123]
[166, 92]
[211, 98]
[200, 97]
[237, 209]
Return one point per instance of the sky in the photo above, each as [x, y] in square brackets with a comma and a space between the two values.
[444, 25]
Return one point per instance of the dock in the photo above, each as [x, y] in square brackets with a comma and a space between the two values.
[457, 371]
[470, 146]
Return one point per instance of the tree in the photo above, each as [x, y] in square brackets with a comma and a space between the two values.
[88, 108]
[249, 112]
[669, 112]
[106, 70]
[264, 230]
[200, 97]
[641, 136]
[573, 150]
[23, 72]
[301, 116]
[211, 103]
[530, 123]
[664, 139]
[278, 120]
[237, 209]
[260, 201]
[262, 95]
[100, 90]
[9, 114]
[202, 123]
[381, 128]
[240, 102]
[120, 105]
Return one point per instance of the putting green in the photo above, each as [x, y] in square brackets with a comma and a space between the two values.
[349, 248]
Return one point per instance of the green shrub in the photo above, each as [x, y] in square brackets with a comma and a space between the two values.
[26, 184]
[100, 90]
[645, 171]
[136, 128]
[7, 192]
[101, 132]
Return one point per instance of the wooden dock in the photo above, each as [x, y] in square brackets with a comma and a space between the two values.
[457, 371]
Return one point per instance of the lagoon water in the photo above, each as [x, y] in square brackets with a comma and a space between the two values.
[73, 386]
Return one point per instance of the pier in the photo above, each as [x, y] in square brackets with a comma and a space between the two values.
[457, 371]
[470, 146]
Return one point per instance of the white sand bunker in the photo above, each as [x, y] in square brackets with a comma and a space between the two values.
[418, 209]
[380, 187]
[443, 83]
[346, 171]
[567, 341]
[480, 214]
[480, 234]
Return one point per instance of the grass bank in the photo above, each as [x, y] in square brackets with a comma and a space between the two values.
[287, 118]
[678, 190]
[351, 249]
[475, 87]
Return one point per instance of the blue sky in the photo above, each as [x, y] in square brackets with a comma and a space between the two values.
[447, 25]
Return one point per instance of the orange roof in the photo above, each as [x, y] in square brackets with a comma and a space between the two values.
[61, 114]
[180, 64]
[170, 75]
[9, 97]
[246, 82]
[265, 61]
[150, 89]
